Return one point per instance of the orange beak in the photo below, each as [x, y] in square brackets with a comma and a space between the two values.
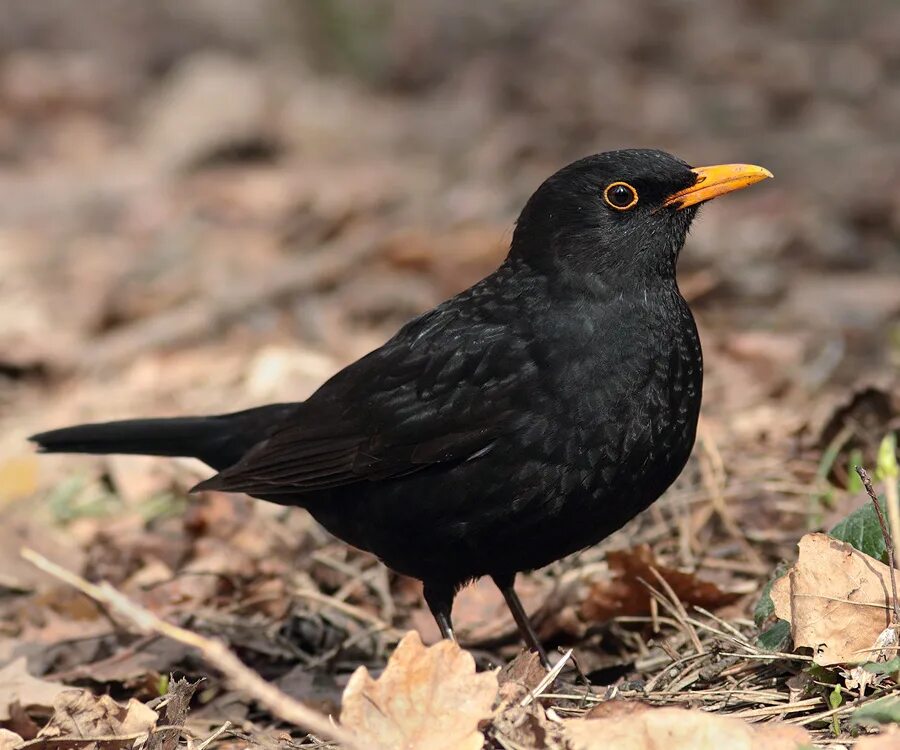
[715, 181]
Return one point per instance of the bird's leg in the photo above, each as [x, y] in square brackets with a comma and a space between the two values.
[439, 599]
[507, 588]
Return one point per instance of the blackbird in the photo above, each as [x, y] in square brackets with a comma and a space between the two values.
[524, 419]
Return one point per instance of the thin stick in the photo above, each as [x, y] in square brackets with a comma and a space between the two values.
[674, 605]
[215, 652]
[547, 680]
[892, 499]
[888, 541]
[214, 736]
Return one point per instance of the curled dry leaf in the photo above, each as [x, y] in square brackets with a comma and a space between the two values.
[625, 594]
[17, 686]
[836, 599]
[678, 729]
[427, 698]
[79, 714]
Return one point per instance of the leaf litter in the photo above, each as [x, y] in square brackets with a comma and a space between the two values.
[251, 257]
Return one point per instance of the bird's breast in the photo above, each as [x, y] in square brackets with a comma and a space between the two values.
[626, 396]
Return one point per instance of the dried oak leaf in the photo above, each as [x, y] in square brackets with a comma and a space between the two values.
[426, 698]
[836, 599]
[625, 594]
[679, 729]
[80, 715]
[17, 686]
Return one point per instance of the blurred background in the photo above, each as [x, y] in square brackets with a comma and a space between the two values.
[215, 204]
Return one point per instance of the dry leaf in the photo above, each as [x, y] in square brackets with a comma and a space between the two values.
[18, 478]
[526, 726]
[679, 729]
[525, 672]
[836, 600]
[10, 740]
[78, 713]
[426, 698]
[17, 686]
[617, 708]
[626, 595]
[888, 740]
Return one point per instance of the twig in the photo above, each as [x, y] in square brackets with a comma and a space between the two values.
[888, 541]
[215, 652]
[348, 609]
[547, 680]
[674, 605]
[215, 735]
[892, 500]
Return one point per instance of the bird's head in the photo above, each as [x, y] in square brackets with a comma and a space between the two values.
[620, 217]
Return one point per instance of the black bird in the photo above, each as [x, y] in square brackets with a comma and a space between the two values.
[524, 419]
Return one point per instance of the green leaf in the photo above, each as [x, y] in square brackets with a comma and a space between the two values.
[765, 608]
[883, 667]
[835, 697]
[886, 465]
[835, 700]
[821, 674]
[775, 638]
[861, 530]
[883, 711]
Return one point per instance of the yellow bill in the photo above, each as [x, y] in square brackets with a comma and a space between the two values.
[715, 181]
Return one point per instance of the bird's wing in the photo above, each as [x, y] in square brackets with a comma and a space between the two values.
[442, 390]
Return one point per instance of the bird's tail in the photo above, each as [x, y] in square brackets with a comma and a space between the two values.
[218, 441]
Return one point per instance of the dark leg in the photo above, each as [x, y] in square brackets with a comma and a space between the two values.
[506, 586]
[439, 599]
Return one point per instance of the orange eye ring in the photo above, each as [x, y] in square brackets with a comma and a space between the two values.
[615, 197]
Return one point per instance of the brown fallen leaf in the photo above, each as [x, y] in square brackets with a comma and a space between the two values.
[21, 723]
[836, 599]
[426, 698]
[79, 714]
[625, 594]
[17, 686]
[518, 725]
[525, 672]
[680, 729]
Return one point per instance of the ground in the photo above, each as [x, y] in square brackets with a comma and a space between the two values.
[208, 208]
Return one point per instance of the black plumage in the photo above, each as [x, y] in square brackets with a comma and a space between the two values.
[524, 419]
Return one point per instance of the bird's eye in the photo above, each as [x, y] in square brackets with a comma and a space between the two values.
[620, 196]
